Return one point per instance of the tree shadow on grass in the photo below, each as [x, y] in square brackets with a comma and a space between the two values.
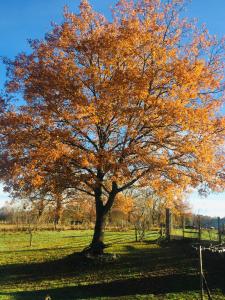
[77, 268]
[69, 266]
[74, 265]
[29, 249]
[157, 270]
[77, 236]
[173, 283]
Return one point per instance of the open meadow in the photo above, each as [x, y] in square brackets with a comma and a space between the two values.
[138, 270]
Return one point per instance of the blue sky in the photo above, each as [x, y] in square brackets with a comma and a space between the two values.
[24, 19]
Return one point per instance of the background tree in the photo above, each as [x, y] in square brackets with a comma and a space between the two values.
[113, 104]
[123, 203]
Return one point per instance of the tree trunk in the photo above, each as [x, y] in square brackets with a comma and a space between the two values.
[97, 245]
[40, 208]
[58, 211]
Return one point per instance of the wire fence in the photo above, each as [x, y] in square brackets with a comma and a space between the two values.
[201, 231]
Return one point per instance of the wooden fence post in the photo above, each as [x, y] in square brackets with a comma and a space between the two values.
[136, 234]
[161, 230]
[201, 273]
[183, 226]
[219, 230]
[199, 228]
[168, 223]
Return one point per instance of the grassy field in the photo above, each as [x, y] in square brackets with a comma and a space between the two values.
[206, 235]
[149, 270]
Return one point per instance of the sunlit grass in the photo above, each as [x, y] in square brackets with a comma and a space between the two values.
[206, 235]
[141, 271]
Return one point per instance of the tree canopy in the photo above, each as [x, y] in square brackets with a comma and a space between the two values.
[114, 103]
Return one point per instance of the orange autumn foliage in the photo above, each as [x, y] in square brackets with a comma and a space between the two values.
[112, 104]
[123, 203]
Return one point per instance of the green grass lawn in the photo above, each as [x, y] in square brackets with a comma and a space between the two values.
[52, 266]
[206, 235]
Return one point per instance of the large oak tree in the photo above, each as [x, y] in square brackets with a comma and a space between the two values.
[110, 104]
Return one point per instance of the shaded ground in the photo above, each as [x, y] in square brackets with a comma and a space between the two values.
[117, 288]
[141, 271]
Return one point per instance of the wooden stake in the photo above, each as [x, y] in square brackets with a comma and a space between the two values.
[201, 273]
[183, 225]
[136, 237]
[199, 228]
[219, 231]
